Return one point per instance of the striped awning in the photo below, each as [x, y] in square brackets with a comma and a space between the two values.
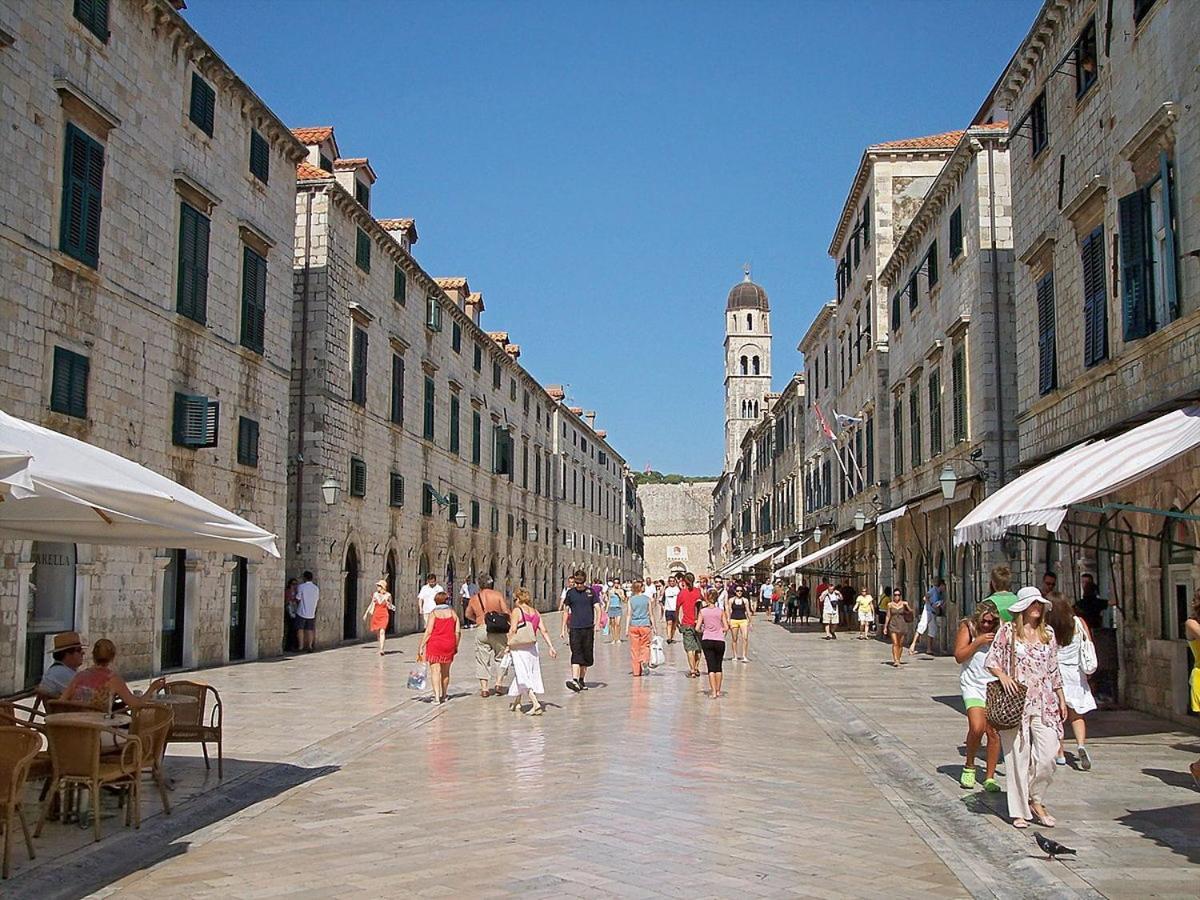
[730, 566]
[818, 555]
[1042, 496]
[754, 559]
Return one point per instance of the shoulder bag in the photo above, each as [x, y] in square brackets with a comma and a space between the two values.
[1004, 710]
[907, 613]
[1088, 661]
[524, 636]
[495, 621]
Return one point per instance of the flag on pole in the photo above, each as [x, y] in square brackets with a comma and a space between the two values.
[843, 420]
[824, 424]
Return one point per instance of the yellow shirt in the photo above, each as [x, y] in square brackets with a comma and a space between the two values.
[865, 603]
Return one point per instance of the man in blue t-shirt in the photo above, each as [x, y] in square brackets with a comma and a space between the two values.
[581, 614]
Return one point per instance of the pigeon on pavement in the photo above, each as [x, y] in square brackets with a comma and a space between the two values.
[1051, 848]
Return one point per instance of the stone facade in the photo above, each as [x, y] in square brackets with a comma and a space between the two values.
[122, 92]
[678, 523]
[1089, 156]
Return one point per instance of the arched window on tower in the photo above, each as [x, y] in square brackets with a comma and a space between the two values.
[750, 321]
[744, 365]
[756, 366]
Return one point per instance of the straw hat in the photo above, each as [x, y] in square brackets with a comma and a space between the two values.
[67, 640]
[1026, 597]
[381, 583]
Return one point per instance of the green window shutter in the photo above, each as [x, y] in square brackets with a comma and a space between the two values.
[93, 14]
[427, 500]
[397, 389]
[1137, 267]
[247, 443]
[399, 286]
[454, 414]
[452, 506]
[914, 292]
[456, 338]
[203, 105]
[478, 361]
[956, 233]
[1047, 354]
[254, 300]
[358, 367]
[932, 258]
[1170, 261]
[870, 452]
[959, 389]
[358, 477]
[1095, 298]
[362, 193]
[68, 388]
[192, 290]
[428, 429]
[895, 315]
[362, 250]
[83, 179]
[898, 436]
[196, 421]
[914, 425]
[476, 438]
[260, 157]
[396, 490]
[474, 513]
[935, 413]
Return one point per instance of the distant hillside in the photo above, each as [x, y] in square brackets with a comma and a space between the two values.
[653, 477]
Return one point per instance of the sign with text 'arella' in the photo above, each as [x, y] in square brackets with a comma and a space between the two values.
[53, 586]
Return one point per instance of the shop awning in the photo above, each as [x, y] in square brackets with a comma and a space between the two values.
[818, 555]
[892, 514]
[754, 559]
[1043, 495]
[730, 566]
[788, 551]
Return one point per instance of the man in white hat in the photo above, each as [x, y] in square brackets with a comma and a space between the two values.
[68, 657]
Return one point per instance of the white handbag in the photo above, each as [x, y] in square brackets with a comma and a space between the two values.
[658, 654]
[1088, 661]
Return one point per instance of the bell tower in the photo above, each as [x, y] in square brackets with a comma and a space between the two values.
[747, 363]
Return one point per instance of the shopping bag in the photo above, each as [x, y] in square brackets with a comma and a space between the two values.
[658, 654]
[418, 678]
[505, 662]
[604, 620]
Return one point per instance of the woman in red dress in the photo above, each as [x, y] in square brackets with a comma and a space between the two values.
[379, 612]
[439, 643]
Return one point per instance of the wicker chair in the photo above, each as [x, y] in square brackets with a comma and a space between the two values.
[152, 724]
[18, 747]
[191, 726]
[69, 706]
[76, 750]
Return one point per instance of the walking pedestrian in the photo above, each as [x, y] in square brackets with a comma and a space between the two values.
[1072, 633]
[895, 625]
[1025, 652]
[670, 596]
[427, 597]
[439, 644]
[308, 595]
[927, 624]
[830, 601]
[1191, 629]
[490, 612]
[804, 602]
[379, 612]
[526, 663]
[971, 645]
[686, 606]
[740, 617]
[640, 628]
[864, 606]
[581, 615]
[615, 600]
[713, 623]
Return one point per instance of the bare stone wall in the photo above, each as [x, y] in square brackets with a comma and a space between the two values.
[677, 515]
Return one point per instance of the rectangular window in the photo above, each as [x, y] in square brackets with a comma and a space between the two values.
[396, 489]
[427, 500]
[898, 435]
[525, 466]
[1140, 8]
[362, 250]
[478, 360]
[525, 402]
[93, 14]
[1148, 256]
[870, 452]
[358, 477]
[1095, 298]
[896, 309]
[260, 157]
[512, 390]
[935, 413]
[397, 416]
[496, 376]
[399, 286]
[502, 448]
[1086, 60]
[247, 442]
[931, 260]
[914, 424]
[476, 437]
[324, 163]
[495, 523]
[454, 417]
[69, 387]
[433, 313]
[456, 338]
[956, 233]
[83, 178]
[958, 389]
[191, 296]
[452, 506]
[358, 366]
[362, 193]
[196, 421]
[1047, 356]
[914, 292]
[537, 472]
[510, 523]
[202, 108]
[474, 513]
[866, 226]
[1038, 134]
[254, 300]
[428, 429]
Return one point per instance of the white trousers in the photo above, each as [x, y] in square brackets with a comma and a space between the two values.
[1029, 753]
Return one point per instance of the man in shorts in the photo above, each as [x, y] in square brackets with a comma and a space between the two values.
[581, 616]
[307, 597]
[686, 604]
[865, 607]
[670, 596]
[830, 600]
[490, 643]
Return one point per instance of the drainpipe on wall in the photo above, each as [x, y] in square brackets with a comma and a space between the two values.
[303, 393]
[996, 315]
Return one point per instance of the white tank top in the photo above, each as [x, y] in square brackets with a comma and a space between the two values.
[973, 676]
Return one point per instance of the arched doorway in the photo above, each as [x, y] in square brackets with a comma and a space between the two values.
[350, 596]
[389, 572]
[449, 585]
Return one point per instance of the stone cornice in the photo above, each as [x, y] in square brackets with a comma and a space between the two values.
[1024, 65]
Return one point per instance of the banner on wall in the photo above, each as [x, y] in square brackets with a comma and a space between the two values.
[677, 553]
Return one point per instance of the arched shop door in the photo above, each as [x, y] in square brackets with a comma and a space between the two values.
[350, 596]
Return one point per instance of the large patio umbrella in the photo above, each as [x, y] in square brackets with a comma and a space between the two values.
[54, 487]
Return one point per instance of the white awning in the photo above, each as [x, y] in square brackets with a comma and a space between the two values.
[754, 559]
[892, 514]
[788, 551]
[729, 566]
[1043, 495]
[818, 555]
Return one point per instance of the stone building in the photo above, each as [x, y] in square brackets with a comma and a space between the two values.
[952, 371]
[145, 248]
[421, 444]
[678, 524]
[1106, 215]
[747, 362]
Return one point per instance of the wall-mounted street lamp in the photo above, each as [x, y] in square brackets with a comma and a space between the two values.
[816, 535]
[860, 520]
[949, 481]
[533, 534]
[329, 490]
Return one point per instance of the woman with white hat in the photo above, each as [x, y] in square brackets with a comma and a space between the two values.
[379, 612]
[1025, 655]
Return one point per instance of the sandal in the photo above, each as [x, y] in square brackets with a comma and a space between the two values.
[538, 711]
[485, 693]
[515, 706]
[1042, 817]
[1020, 823]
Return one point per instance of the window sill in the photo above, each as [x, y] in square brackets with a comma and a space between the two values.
[66, 261]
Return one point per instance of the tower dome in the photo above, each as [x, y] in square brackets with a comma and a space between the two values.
[747, 295]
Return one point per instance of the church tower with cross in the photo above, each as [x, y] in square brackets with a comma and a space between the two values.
[747, 363]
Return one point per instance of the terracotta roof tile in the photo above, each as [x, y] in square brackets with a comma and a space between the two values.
[308, 172]
[396, 224]
[947, 140]
[313, 135]
[353, 162]
[451, 283]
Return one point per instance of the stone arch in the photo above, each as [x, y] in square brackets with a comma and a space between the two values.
[756, 365]
[351, 575]
[744, 365]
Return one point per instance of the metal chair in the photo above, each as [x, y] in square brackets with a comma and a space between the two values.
[191, 726]
[18, 747]
[76, 749]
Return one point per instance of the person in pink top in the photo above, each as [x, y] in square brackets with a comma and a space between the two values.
[713, 622]
[526, 664]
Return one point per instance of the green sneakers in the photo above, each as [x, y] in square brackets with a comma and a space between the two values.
[991, 786]
[967, 780]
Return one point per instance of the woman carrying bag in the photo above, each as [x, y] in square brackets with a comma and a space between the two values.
[1076, 661]
[379, 612]
[1026, 705]
[525, 624]
[895, 625]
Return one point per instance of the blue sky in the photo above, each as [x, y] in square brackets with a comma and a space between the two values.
[601, 171]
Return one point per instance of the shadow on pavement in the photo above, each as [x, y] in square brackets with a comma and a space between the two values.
[954, 701]
[1173, 778]
[1172, 827]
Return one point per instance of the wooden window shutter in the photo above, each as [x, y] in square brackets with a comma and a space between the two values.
[397, 389]
[202, 109]
[247, 443]
[1137, 269]
[93, 14]
[192, 290]
[399, 286]
[358, 367]
[362, 250]
[1047, 357]
[358, 477]
[932, 258]
[1169, 262]
[83, 179]
[196, 421]
[430, 409]
[454, 425]
[914, 425]
[476, 438]
[956, 233]
[396, 490]
[1095, 298]
[898, 435]
[254, 300]
[68, 389]
[959, 389]
[935, 413]
[260, 157]
[896, 311]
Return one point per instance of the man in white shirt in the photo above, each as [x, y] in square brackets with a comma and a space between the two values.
[467, 591]
[831, 599]
[670, 596]
[425, 597]
[307, 597]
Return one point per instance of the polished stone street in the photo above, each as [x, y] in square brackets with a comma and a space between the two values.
[823, 773]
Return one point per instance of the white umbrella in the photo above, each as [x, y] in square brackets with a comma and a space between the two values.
[70, 490]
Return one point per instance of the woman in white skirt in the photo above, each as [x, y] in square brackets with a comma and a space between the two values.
[1071, 633]
[526, 664]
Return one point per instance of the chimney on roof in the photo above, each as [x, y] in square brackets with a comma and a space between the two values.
[474, 306]
[513, 350]
[500, 337]
[590, 416]
[602, 434]
[578, 410]
[404, 231]
[456, 289]
[356, 176]
[555, 392]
